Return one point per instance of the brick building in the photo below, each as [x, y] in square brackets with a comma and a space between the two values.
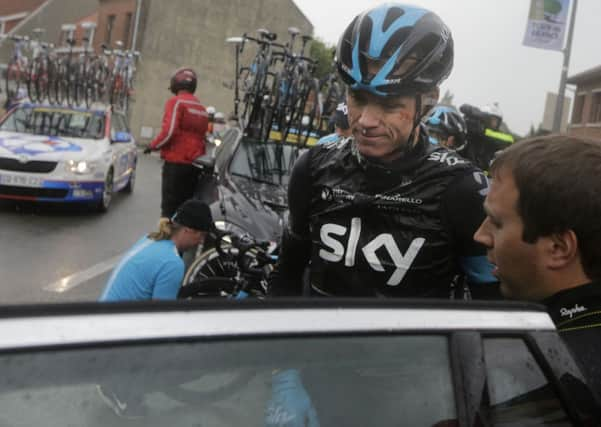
[169, 34]
[14, 12]
[116, 21]
[192, 33]
[586, 114]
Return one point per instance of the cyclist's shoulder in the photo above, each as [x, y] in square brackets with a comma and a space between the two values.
[333, 137]
[332, 144]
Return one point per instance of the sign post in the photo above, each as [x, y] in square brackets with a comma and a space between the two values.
[546, 30]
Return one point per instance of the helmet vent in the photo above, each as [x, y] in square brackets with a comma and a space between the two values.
[392, 15]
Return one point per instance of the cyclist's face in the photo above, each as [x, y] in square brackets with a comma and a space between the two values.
[380, 125]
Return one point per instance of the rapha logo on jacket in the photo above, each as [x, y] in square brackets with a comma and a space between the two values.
[337, 252]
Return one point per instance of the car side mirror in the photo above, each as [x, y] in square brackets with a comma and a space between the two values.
[205, 163]
[121, 137]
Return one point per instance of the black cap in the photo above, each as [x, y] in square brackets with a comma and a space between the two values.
[194, 214]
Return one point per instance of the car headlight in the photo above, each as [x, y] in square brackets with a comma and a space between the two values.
[81, 167]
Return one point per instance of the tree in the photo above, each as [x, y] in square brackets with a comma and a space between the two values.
[324, 55]
[447, 98]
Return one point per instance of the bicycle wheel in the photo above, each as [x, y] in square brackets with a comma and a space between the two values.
[305, 111]
[42, 84]
[13, 79]
[210, 264]
[32, 78]
[209, 287]
[52, 90]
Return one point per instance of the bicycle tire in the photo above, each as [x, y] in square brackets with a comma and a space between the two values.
[50, 85]
[210, 264]
[209, 287]
[43, 80]
[13, 79]
[32, 77]
[301, 113]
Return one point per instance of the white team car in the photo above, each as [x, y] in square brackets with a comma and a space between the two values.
[63, 154]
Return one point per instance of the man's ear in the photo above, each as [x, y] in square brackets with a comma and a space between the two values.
[429, 100]
[561, 249]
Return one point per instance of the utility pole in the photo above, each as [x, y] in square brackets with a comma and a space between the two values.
[564, 71]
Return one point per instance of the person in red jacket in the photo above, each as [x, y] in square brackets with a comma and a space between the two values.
[181, 140]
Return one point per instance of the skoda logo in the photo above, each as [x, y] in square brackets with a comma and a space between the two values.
[23, 158]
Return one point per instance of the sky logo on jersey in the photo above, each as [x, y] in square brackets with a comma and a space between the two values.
[32, 145]
[446, 157]
[336, 252]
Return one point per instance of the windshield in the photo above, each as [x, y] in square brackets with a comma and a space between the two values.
[55, 122]
[270, 162]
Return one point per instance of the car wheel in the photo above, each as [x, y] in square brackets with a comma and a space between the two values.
[129, 188]
[107, 193]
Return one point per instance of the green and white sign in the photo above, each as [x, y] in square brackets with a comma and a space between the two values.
[547, 24]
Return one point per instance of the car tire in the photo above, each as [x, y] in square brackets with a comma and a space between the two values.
[107, 193]
[131, 182]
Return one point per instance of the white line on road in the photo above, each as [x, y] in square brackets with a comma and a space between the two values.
[69, 282]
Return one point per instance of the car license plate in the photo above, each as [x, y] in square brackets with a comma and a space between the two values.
[20, 180]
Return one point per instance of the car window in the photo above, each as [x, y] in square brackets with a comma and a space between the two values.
[384, 381]
[117, 123]
[55, 122]
[269, 162]
[519, 392]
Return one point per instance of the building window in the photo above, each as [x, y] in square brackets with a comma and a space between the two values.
[126, 31]
[596, 108]
[110, 24]
[578, 108]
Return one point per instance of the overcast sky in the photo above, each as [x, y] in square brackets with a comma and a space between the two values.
[491, 64]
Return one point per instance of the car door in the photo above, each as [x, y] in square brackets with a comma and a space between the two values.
[122, 151]
[266, 362]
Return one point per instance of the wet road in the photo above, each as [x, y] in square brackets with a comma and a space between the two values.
[51, 253]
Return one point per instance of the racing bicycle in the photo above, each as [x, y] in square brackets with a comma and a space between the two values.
[237, 267]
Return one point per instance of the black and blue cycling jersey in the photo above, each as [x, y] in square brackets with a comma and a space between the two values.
[369, 231]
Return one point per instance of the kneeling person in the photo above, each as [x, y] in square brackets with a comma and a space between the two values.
[153, 268]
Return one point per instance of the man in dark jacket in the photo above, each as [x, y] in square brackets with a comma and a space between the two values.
[181, 140]
[543, 235]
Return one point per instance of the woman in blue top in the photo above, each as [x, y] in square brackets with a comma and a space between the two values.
[153, 268]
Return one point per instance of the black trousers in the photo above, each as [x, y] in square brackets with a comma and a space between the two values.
[178, 185]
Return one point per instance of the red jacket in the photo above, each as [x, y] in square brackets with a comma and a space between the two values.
[182, 136]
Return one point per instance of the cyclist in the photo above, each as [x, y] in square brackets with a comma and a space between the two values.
[152, 268]
[341, 125]
[447, 127]
[495, 115]
[386, 213]
[484, 134]
[181, 140]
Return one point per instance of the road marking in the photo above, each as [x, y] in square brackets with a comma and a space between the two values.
[69, 282]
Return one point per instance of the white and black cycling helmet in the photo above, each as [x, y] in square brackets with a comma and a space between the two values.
[493, 110]
[444, 121]
[412, 47]
[183, 79]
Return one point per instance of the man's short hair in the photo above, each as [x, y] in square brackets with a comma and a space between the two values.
[559, 182]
